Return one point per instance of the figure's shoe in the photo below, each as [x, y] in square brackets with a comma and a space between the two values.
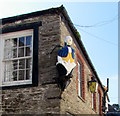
[71, 75]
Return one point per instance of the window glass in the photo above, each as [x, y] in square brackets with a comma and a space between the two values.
[27, 74]
[22, 64]
[28, 40]
[15, 64]
[14, 78]
[21, 75]
[14, 42]
[21, 52]
[79, 80]
[28, 63]
[14, 52]
[21, 41]
[18, 59]
[9, 67]
[28, 51]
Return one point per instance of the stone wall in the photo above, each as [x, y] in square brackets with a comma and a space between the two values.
[70, 102]
[45, 98]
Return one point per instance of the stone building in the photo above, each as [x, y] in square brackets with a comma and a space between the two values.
[28, 74]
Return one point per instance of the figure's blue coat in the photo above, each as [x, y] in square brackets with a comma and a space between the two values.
[64, 52]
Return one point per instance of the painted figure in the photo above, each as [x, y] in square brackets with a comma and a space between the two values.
[66, 64]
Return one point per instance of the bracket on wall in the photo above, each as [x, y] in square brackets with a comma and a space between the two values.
[62, 81]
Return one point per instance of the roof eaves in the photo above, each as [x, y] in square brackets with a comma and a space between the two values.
[30, 15]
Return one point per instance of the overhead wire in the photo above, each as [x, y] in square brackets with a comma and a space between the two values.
[102, 23]
[99, 38]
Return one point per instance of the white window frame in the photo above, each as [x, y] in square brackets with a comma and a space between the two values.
[79, 79]
[4, 37]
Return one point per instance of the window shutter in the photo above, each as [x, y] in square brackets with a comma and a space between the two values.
[35, 56]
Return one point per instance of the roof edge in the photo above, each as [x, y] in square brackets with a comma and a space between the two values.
[30, 15]
[74, 30]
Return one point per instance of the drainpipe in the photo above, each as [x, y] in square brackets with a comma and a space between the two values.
[104, 97]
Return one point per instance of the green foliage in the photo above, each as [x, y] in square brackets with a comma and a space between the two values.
[78, 34]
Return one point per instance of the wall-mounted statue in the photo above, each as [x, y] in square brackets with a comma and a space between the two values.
[65, 64]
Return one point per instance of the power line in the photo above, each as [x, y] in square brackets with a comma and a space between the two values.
[98, 24]
[99, 37]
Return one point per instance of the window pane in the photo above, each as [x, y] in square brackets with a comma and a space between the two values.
[14, 42]
[28, 74]
[21, 41]
[10, 48]
[14, 53]
[8, 70]
[7, 42]
[28, 63]
[7, 76]
[8, 66]
[22, 64]
[11, 43]
[79, 80]
[14, 78]
[6, 53]
[28, 40]
[28, 51]
[15, 64]
[21, 75]
[21, 52]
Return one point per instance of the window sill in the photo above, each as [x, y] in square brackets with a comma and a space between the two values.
[81, 99]
[8, 85]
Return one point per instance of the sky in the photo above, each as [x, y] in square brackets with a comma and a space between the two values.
[97, 23]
